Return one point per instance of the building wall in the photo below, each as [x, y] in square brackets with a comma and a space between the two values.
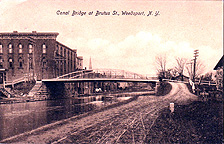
[65, 59]
[11, 61]
[219, 78]
[79, 62]
[46, 58]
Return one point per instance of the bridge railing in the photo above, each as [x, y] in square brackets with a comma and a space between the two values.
[19, 80]
[73, 74]
[104, 73]
[116, 73]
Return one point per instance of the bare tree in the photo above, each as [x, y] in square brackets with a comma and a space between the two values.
[161, 64]
[199, 68]
[173, 72]
[180, 65]
[189, 69]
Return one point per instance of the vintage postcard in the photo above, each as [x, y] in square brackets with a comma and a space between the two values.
[84, 71]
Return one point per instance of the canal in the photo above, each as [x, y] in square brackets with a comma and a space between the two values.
[21, 117]
[18, 118]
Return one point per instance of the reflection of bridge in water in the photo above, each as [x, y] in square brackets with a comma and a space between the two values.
[87, 81]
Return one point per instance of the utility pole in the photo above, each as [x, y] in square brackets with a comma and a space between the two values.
[195, 62]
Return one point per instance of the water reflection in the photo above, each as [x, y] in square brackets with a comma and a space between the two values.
[21, 117]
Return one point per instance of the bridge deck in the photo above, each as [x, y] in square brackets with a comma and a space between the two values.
[100, 79]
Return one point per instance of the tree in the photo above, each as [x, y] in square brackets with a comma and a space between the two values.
[189, 69]
[173, 72]
[199, 68]
[207, 77]
[161, 65]
[180, 66]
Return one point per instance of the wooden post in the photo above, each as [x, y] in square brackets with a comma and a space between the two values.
[172, 107]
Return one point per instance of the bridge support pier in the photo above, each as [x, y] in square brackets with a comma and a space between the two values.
[57, 90]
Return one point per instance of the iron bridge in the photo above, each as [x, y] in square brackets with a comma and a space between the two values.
[103, 75]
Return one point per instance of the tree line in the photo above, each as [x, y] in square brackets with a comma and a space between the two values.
[183, 67]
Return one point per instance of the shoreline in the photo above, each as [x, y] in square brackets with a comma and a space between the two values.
[31, 99]
[64, 121]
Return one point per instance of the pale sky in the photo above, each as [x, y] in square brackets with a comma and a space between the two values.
[125, 42]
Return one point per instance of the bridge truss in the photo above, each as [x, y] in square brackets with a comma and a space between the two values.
[102, 73]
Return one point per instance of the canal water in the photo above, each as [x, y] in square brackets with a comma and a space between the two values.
[18, 118]
[21, 117]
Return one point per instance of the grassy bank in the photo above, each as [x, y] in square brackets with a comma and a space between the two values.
[163, 89]
[198, 122]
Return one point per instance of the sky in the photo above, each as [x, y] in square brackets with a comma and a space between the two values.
[125, 42]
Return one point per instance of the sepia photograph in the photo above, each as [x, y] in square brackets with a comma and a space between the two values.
[95, 72]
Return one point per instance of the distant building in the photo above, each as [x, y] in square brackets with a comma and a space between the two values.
[36, 54]
[79, 63]
[219, 74]
[219, 65]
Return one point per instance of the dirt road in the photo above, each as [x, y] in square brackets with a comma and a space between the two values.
[129, 123]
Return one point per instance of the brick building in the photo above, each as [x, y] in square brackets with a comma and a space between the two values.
[35, 54]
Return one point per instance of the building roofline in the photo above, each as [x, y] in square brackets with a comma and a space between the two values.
[66, 46]
[33, 33]
[219, 64]
[80, 57]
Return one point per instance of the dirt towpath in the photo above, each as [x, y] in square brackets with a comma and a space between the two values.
[127, 123]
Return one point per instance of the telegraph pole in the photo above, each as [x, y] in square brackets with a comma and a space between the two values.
[195, 62]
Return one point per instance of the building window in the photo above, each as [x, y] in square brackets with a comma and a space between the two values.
[20, 62]
[30, 48]
[44, 49]
[10, 48]
[71, 61]
[57, 50]
[30, 63]
[61, 51]
[65, 53]
[44, 63]
[10, 63]
[20, 48]
[1, 48]
[64, 67]
[61, 67]
[1, 62]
